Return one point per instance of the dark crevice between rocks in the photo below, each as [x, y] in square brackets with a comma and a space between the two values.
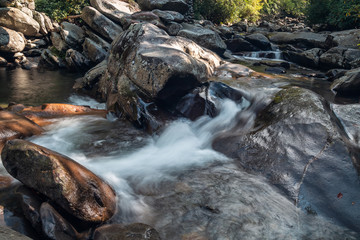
[176, 87]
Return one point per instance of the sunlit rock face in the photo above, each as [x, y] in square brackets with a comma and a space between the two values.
[70, 185]
[19, 21]
[145, 61]
[11, 41]
[15, 126]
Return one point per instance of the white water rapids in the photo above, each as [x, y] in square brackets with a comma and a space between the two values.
[143, 164]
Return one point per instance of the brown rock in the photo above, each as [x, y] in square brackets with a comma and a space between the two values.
[15, 126]
[70, 185]
[11, 41]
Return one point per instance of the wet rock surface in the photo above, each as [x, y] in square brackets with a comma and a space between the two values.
[135, 231]
[315, 158]
[77, 190]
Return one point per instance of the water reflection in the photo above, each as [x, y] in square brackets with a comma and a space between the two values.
[31, 87]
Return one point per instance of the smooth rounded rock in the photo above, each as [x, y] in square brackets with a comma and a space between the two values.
[17, 20]
[70, 185]
[11, 41]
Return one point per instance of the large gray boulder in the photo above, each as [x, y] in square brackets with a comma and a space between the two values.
[70, 185]
[11, 41]
[161, 67]
[340, 57]
[259, 40]
[347, 38]
[204, 37]
[298, 147]
[72, 34]
[101, 24]
[173, 5]
[17, 20]
[301, 39]
[349, 84]
[114, 9]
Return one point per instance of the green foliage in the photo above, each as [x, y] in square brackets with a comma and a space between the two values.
[294, 8]
[338, 14]
[227, 11]
[60, 9]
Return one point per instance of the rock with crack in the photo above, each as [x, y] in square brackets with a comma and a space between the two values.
[298, 147]
[70, 185]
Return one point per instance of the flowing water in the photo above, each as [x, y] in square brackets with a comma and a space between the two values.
[176, 182]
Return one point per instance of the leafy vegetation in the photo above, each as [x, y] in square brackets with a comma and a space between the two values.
[338, 14]
[60, 9]
[227, 11]
[293, 8]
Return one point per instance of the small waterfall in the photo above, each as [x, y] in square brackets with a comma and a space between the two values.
[260, 55]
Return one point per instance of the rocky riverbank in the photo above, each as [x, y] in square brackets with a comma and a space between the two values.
[151, 63]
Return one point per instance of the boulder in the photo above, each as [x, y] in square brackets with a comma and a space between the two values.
[349, 116]
[94, 51]
[15, 126]
[204, 37]
[347, 38]
[349, 84]
[98, 40]
[72, 34]
[173, 28]
[259, 40]
[135, 231]
[333, 58]
[76, 60]
[114, 9]
[162, 67]
[173, 5]
[50, 60]
[48, 23]
[239, 44]
[11, 41]
[306, 40]
[70, 185]
[89, 83]
[27, 11]
[41, 20]
[309, 58]
[30, 204]
[3, 62]
[17, 20]
[58, 42]
[54, 226]
[169, 16]
[101, 24]
[296, 145]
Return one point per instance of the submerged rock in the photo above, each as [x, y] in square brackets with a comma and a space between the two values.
[296, 145]
[135, 231]
[15, 126]
[70, 185]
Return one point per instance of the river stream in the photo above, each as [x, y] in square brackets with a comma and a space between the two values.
[172, 180]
